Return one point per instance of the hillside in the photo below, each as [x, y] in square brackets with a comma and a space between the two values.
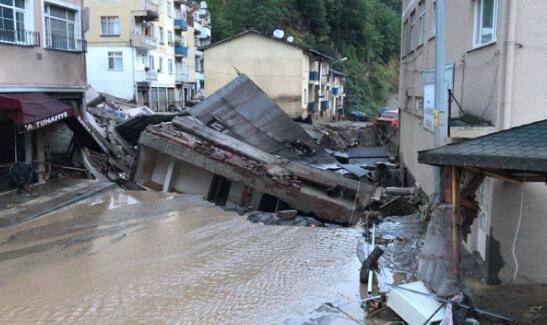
[364, 31]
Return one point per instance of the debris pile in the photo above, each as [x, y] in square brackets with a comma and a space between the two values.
[343, 135]
[116, 124]
[284, 218]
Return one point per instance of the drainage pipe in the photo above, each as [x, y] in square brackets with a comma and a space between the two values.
[510, 44]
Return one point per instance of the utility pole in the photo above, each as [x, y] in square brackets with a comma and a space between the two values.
[440, 118]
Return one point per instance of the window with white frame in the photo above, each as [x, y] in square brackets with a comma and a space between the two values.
[434, 19]
[110, 26]
[115, 61]
[160, 67]
[169, 9]
[151, 62]
[60, 23]
[12, 20]
[421, 22]
[170, 37]
[162, 38]
[486, 12]
[406, 38]
[171, 66]
[412, 37]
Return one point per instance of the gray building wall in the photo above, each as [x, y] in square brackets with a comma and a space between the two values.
[478, 84]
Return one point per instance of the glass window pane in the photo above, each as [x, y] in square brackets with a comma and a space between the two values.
[20, 4]
[57, 12]
[6, 2]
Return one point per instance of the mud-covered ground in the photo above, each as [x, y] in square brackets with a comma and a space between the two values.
[144, 257]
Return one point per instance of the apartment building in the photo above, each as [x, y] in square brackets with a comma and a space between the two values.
[192, 31]
[42, 81]
[131, 51]
[495, 71]
[298, 79]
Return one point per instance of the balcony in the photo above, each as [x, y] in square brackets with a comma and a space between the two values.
[325, 105]
[67, 44]
[20, 37]
[312, 107]
[144, 42]
[335, 91]
[181, 77]
[314, 75]
[146, 9]
[181, 50]
[180, 24]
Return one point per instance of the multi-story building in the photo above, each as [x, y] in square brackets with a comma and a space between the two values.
[131, 51]
[144, 51]
[298, 79]
[42, 79]
[495, 70]
[192, 31]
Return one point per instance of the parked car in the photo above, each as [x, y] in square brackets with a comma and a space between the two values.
[359, 116]
[389, 116]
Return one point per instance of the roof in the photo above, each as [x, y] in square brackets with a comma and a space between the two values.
[282, 41]
[131, 129]
[338, 73]
[33, 110]
[522, 148]
[242, 110]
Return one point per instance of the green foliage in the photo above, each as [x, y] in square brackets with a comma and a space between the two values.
[367, 32]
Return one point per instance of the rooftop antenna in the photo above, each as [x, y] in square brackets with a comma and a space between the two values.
[237, 71]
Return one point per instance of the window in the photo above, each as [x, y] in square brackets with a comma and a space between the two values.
[110, 26]
[412, 38]
[151, 63]
[12, 21]
[169, 9]
[485, 22]
[160, 68]
[434, 19]
[60, 26]
[162, 38]
[406, 38]
[421, 22]
[115, 61]
[170, 66]
[170, 37]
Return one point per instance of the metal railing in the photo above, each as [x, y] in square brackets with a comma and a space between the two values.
[20, 37]
[61, 43]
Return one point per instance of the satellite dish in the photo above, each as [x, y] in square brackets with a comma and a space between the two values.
[290, 39]
[278, 33]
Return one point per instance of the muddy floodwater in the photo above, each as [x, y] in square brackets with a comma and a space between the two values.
[143, 257]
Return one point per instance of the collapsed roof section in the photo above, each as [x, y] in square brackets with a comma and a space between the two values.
[188, 157]
[242, 110]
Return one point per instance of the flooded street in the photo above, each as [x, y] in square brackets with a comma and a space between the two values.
[143, 257]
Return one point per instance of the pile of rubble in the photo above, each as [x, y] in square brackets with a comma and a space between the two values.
[116, 124]
[343, 135]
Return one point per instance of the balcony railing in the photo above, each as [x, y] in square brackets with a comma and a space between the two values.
[62, 43]
[20, 37]
[181, 77]
[314, 75]
[180, 49]
[144, 42]
[181, 24]
[151, 75]
[325, 105]
[148, 9]
[312, 107]
[335, 91]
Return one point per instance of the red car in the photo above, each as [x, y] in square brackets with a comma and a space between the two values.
[389, 116]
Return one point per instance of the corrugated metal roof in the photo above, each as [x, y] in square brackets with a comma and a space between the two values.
[251, 116]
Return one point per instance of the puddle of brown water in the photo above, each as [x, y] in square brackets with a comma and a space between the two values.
[144, 257]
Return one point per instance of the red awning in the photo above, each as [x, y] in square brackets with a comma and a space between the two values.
[33, 110]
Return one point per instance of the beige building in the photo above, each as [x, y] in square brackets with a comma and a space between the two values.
[42, 80]
[298, 79]
[495, 68]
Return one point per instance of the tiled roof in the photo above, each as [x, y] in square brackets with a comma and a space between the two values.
[522, 148]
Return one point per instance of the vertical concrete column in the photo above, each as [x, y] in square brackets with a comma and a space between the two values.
[41, 155]
[169, 175]
[28, 147]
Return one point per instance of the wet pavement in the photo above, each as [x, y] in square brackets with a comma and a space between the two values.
[145, 257]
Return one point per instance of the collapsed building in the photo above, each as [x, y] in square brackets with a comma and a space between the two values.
[239, 148]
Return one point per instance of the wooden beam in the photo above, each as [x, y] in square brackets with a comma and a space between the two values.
[489, 173]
